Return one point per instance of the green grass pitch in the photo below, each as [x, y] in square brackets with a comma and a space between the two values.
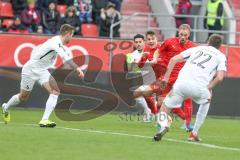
[111, 138]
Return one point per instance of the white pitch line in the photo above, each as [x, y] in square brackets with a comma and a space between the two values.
[213, 146]
[148, 137]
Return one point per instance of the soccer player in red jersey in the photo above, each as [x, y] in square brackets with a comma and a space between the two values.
[169, 49]
[150, 47]
[161, 58]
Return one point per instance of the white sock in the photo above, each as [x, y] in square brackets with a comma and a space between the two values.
[50, 105]
[142, 102]
[201, 116]
[162, 119]
[12, 102]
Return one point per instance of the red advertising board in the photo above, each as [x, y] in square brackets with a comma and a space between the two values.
[15, 50]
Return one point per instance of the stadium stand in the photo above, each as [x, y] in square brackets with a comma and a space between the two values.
[6, 9]
[89, 30]
[136, 24]
[7, 22]
[236, 4]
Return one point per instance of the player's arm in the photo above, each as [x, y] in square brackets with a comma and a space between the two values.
[217, 79]
[155, 57]
[221, 70]
[176, 59]
[143, 59]
[64, 53]
[171, 64]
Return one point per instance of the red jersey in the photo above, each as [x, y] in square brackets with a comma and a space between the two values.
[149, 56]
[170, 48]
[156, 67]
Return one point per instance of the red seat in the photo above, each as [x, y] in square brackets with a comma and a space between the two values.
[6, 9]
[62, 9]
[7, 22]
[89, 30]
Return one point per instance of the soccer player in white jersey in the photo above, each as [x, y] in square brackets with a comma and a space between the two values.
[132, 60]
[36, 70]
[204, 69]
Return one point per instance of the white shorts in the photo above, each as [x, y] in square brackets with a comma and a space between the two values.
[184, 90]
[29, 77]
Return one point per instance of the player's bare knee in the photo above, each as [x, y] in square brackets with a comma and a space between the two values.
[23, 97]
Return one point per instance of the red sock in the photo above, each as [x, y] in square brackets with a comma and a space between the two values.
[188, 110]
[158, 108]
[179, 112]
[151, 104]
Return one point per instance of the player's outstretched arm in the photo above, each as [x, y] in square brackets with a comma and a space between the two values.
[171, 64]
[64, 53]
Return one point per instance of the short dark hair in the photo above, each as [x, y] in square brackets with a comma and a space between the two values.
[138, 36]
[66, 28]
[215, 40]
[110, 5]
[151, 33]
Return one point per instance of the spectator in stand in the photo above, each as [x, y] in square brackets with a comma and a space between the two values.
[31, 17]
[51, 19]
[118, 4]
[85, 11]
[214, 9]
[109, 16]
[72, 19]
[42, 5]
[183, 8]
[18, 6]
[2, 28]
[17, 27]
[97, 7]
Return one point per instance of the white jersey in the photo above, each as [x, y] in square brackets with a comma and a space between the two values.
[136, 56]
[147, 72]
[202, 64]
[44, 55]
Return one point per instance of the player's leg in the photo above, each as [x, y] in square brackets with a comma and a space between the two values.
[201, 96]
[51, 86]
[173, 100]
[159, 102]
[143, 91]
[188, 107]
[152, 104]
[200, 118]
[147, 91]
[177, 111]
[140, 101]
[27, 84]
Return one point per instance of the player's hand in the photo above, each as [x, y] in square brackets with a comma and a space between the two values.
[163, 84]
[145, 54]
[210, 91]
[80, 72]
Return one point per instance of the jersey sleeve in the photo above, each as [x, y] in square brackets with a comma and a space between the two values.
[186, 54]
[222, 66]
[164, 46]
[64, 52]
[143, 59]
